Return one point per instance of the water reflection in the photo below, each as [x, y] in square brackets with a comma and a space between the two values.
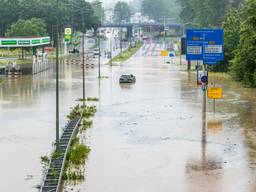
[126, 85]
[214, 125]
[204, 163]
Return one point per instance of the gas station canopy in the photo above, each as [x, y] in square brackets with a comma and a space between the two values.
[24, 42]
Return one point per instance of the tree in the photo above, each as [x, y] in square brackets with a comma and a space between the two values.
[64, 13]
[9, 10]
[122, 12]
[157, 10]
[98, 10]
[208, 13]
[82, 16]
[243, 66]
[187, 13]
[31, 27]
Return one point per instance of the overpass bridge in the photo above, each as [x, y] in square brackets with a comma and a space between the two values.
[131, 26]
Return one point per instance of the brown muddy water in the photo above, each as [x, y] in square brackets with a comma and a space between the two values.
[147, 137]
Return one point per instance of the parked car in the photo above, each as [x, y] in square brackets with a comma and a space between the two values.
[127, 79]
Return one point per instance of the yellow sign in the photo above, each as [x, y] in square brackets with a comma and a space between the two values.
[68, 31]
[214, 93]
[165, 53]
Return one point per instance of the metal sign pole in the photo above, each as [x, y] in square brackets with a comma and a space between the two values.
[204, 89]
[205, 83]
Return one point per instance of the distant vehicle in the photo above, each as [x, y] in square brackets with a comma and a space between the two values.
[109, 55]
[96, 52]
[133, 44]
[145, 38]
[74, 51]
[91, 41]
[89, 34]
[127, 79]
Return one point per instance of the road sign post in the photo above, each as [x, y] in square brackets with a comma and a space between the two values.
[205, 45]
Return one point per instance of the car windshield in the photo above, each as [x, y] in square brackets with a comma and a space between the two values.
[125, 76]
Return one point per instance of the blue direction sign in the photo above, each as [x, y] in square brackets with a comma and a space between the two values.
[205, 45]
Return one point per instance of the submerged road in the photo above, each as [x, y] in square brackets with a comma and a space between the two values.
[151, 136]
[147, 137]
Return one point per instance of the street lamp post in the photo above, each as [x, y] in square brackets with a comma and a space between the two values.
[57, 88]
[111, 48]
[99, 3]
[121, 44]
[57, 77]
[83, 63]
[99, 56]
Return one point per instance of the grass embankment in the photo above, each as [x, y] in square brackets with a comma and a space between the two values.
[78, 151]
[4, 62]
[1, 80]
[125, 55]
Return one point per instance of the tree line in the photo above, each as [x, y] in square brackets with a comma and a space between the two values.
[77, 14]
[238, 19]
[160, 10]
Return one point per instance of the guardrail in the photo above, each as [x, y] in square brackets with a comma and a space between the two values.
[53, 178]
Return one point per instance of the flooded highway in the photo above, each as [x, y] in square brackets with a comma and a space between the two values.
[148, 136]
[152, 136]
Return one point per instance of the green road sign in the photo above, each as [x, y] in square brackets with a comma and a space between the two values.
[36, 41]
[24, 42]
[9, 42]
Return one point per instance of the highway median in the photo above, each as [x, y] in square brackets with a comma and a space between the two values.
[125, 55]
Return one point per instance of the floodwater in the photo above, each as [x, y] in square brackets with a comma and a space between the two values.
[152, 136]
[147, 137]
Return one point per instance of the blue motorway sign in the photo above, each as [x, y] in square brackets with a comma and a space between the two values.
[205, 45]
